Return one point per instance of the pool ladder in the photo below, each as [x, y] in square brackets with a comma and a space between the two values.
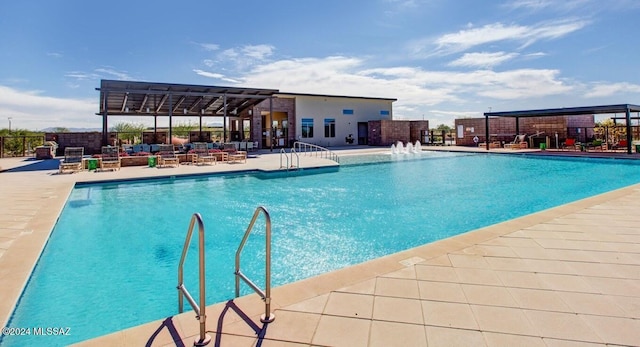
[283, 153]
[267, 317]
[200, 308]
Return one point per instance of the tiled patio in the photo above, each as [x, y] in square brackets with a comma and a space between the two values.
[568, 276]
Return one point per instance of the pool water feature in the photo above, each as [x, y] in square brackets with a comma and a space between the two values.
[111, 261]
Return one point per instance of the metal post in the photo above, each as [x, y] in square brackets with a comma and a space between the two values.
[629, 135]
[486, 130]
[224, 120]
[105, 113]
[170, 116]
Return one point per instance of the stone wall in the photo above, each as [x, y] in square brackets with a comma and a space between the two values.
[91, 141]
[197, 136]
[151, 137]
[388, 132]
[417, 128]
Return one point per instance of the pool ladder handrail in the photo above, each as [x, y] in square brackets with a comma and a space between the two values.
[293, 152]
[200, 308]
[267, 317]
[315, 150]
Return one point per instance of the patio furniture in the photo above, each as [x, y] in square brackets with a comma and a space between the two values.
[569, 144]
[201, 154]
[518, 143]
[167, 156]
[234, 155]
[110, 158]
[72, 161]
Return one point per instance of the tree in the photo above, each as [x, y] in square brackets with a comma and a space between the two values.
[128, 131]
[183, 129]
[607, 128]
[444, 127]
[20, 141]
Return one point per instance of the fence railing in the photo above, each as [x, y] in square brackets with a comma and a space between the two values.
[19, 145]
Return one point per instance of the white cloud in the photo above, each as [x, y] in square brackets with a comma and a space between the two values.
[106, 72]
[416, 89]
[208, 46]
[492, 33]
[214, 76]
[537, 5]
[259, 52]
[535, 55]
[33, 110]
[483, 59]
[54, 54]
[612, 89]
[121, 75]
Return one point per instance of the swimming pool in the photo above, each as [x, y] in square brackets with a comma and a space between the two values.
[111, 260]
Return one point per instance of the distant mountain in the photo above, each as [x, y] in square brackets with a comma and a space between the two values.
[73, 130]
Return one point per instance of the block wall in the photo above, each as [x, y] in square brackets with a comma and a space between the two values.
[416, 129]
[91, 141]
[388, 132]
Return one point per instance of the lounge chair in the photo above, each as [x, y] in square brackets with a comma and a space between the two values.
[201, 154]
[167, 156]
[110, 158]
[72, 161]
[233, 154]
[518, 143]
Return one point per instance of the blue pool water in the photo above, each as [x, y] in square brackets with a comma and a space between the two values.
[111, 261]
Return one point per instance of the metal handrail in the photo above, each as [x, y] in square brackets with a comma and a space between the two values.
[297, 165]
[182, 290]
[268, 317]
[315, 149]
[283, 152]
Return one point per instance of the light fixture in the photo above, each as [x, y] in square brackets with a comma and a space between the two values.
[126, 109]
[147, 110]
[184, 111]
[202, 111]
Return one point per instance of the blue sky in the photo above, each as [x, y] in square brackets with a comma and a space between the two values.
[442, 59]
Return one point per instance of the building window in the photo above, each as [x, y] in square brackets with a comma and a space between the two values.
[307, 127]
[347, 112]
[329, 127]
[384, 113]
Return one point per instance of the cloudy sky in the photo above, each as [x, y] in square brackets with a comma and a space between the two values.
[442, 59]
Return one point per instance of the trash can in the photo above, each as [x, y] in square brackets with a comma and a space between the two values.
[543, 146]
[92, 164]
[638, 148]
[152, 161]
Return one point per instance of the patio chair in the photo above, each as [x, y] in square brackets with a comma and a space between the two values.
[72, 161]
[620, 145]
[518, 142]
[201, 154]
[233, 154]
[569, 144]
[110, 158]
[167, 156]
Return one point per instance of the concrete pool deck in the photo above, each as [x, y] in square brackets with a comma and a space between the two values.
[565, 276]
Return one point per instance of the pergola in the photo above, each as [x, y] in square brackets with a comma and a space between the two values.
[568, 111]
[128, 98]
